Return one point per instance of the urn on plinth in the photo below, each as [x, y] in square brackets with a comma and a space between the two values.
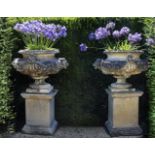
[40, 96]
[123, 99]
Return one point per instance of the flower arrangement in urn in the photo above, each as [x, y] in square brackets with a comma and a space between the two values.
[40, 36]
[122, 48]
[39, 59]
[116, 40]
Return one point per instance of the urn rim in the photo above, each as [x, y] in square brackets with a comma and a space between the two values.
[36, 52]
[124, 51]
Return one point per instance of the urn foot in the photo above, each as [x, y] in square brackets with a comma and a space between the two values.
[45, 88]
[121, 85]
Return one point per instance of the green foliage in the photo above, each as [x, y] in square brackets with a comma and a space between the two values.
[13, 20]
[116, 44]
[37, 43]
[122, 46]
[149, 30]
[6, 46]
[82, 99]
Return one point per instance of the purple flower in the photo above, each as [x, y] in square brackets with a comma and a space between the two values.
[110, 25]
[116, 34]
[134, 38]
[150, 41]
[54, 32]
[83, 47]
[37, 28]
[91, 36]
[101, 33]
[63, 31]
[124, 31]
[21, 27]
[32, 27]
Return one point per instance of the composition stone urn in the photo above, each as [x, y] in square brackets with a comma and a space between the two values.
[123, 99]
[40, 96]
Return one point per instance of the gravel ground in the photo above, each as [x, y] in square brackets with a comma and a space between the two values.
[67, 132]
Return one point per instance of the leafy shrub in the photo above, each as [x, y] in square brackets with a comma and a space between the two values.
[150, 32]
[6, 46]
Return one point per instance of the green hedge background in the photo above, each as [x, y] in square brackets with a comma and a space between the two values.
[6, 47]
[149, 30]
[82, 100]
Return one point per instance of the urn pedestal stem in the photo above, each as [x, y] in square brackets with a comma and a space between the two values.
[121, 84]
[40, 81]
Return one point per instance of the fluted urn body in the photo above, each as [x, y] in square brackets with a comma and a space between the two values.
[39, 64]
[121, 64]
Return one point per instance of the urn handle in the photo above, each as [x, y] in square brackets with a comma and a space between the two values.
[129, 57]
[97, 63]
[63, 63]
[16, 64]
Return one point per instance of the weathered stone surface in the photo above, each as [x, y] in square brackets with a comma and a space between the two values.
[68, 132]
[30, 129]
[40, 113]
[39, 64]
[123, 104]
[124, 132]
[40, 96]
[123, 113]
[121, 64]
[42, 88]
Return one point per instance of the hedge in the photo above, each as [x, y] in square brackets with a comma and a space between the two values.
[82, 100]
[150, 32]
[6, 47]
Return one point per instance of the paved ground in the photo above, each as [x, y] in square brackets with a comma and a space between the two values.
[67, 132]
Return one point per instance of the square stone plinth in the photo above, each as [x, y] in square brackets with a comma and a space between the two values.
[123, 113]
[40, 113]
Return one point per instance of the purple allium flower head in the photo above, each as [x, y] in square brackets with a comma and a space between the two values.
[83, 47]
[101, 33]
[124, 31]
[17, 26]
[91, 36]
[110, 25]
[150, 41]
[54, 32]
[32, 27]
[63, 31]
[134, 38]
[116, 34]
[21, 27]
[37, 28]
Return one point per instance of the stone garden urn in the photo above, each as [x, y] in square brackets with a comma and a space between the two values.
[123, 101]
[40, 96]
